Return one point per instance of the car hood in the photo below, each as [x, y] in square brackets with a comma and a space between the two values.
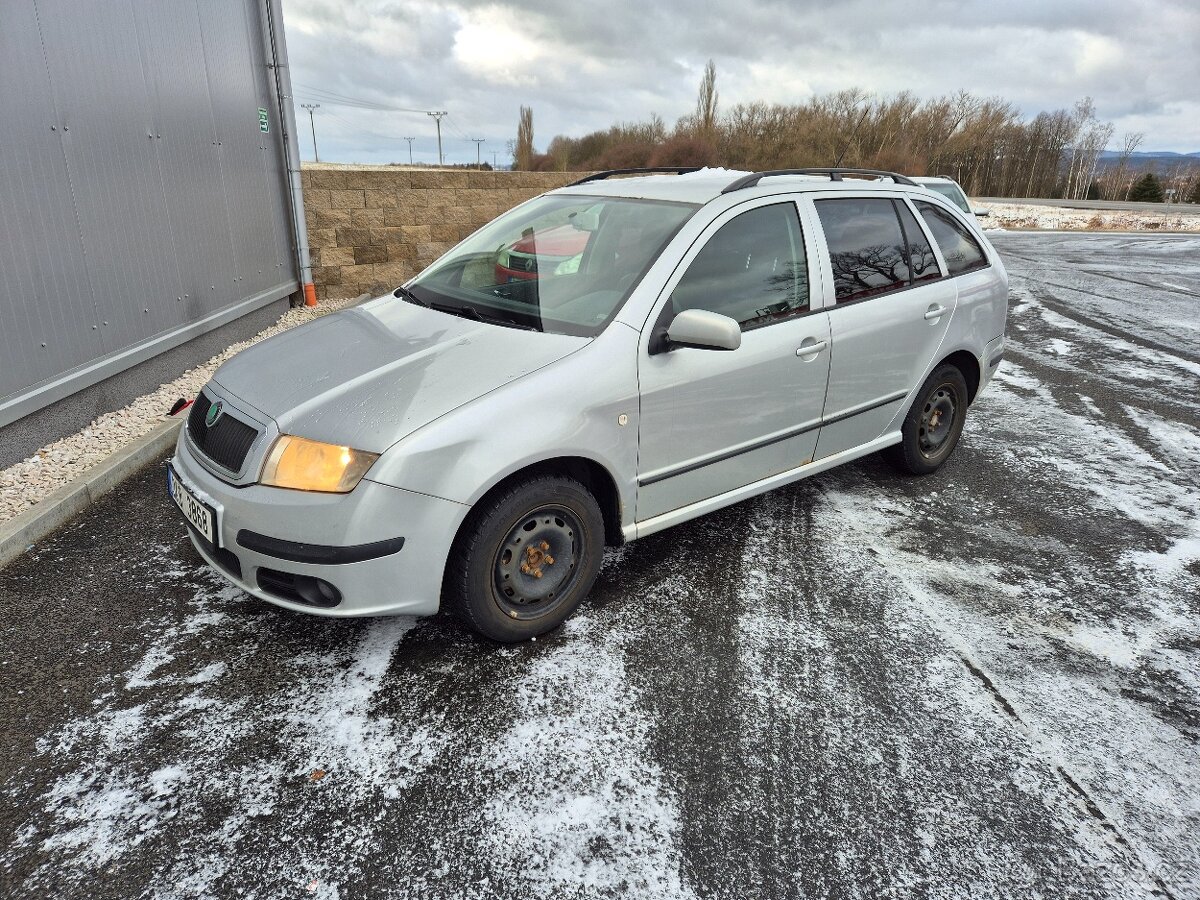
[369, 376]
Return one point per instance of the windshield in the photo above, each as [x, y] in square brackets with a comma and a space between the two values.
[951, 192]
[561, 264]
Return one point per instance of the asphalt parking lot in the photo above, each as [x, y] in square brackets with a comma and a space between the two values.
[985, 683]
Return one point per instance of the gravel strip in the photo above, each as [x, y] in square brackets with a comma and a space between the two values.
[1015, 215]
[24, 484]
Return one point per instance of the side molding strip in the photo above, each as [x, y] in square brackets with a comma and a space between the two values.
[664, 474]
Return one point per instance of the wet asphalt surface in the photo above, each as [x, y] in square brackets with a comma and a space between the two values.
[983, 683]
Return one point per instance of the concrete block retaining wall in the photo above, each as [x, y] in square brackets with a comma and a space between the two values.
[373, 227]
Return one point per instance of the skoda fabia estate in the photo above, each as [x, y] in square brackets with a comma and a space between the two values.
[476, 439]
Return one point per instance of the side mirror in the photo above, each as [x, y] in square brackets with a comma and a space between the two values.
[982, 213]
[704, 330]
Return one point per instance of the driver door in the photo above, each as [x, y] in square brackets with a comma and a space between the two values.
[713, 421]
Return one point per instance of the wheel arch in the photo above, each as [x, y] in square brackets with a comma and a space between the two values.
[594, 476]
[967, 363]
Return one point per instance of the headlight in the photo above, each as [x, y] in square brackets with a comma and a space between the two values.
[304, 465]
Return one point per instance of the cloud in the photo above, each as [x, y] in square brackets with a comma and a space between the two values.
[584, 66]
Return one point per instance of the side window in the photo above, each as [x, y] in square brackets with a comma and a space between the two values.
[752, 270]
[866, 247]
[959, 247]
[920, 255]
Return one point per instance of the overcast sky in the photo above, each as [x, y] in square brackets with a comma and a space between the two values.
[584, 65]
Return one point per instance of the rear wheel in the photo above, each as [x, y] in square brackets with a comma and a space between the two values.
[526, 558]
[934, 423]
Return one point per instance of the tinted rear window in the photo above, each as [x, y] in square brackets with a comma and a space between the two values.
[866, 247]
[959, 247]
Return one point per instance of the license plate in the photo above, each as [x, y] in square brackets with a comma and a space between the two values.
[200, 514]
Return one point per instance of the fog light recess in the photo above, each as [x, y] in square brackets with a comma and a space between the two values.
[299, 588]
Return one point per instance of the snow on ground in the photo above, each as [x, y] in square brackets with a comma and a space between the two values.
[1052, 218]
[985, 683]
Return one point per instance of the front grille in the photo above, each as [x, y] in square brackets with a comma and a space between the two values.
[227, 442]
[519, 262]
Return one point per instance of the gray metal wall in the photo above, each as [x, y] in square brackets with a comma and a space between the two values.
[140, 204]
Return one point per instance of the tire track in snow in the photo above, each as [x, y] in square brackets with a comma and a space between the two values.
[1079, 469]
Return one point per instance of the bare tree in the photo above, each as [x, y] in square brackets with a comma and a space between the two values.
[1117, 187]
[982, 142]
[706, 102]
[523, 156]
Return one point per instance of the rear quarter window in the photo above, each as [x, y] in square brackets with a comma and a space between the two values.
[959, 247]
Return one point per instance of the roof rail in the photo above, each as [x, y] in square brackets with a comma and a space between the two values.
[834, 174]
[650, 170]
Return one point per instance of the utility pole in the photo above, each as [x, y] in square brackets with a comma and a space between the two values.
[410, 140]
[310, 107]
[437, 116]
[478, 144]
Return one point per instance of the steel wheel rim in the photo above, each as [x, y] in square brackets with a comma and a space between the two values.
[937, 419]
[537, 563]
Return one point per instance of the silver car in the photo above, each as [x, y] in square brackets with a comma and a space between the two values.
[477, 438]
[952, 191]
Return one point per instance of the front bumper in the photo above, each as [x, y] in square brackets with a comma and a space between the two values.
[368, 521]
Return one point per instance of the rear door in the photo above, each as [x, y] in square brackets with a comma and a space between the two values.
[713, 421]
[891, 308]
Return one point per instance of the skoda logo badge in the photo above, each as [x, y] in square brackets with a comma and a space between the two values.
[214, 413]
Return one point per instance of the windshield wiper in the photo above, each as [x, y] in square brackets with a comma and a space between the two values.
[471, 312]
[405, 294]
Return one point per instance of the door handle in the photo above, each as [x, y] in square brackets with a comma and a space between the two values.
[811, 349]
[935, 312]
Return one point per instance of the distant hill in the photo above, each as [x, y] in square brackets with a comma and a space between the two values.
[1150, 155]
[1160, 161]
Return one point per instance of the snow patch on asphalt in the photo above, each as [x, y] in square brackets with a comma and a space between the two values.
[566, 795]
[107, 803]
[1089, 651]
[585, 806]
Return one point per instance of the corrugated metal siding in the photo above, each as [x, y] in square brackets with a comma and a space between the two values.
[138, 196]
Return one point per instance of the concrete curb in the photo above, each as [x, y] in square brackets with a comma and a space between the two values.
[20, 533]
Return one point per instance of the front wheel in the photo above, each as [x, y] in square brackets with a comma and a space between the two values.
[934, 423]
[526, 558]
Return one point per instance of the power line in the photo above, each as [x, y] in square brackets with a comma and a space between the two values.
[343, 100]
[462, 134]
[367, 132]
[346, 100]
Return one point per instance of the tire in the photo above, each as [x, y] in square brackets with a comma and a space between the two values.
[525, 559]
[934, 423]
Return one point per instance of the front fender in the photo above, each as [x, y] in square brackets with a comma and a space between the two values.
[570, 408]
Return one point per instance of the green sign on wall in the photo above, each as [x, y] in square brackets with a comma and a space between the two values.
[263, 125]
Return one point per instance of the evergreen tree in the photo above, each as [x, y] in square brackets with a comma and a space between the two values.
[1093, 191]
[1194, 197]
[1147, 190]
